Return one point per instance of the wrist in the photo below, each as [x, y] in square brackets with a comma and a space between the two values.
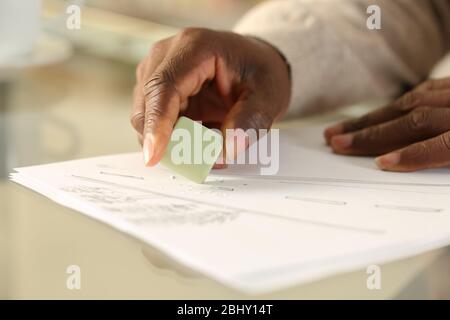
[279, 53]
[282, 72]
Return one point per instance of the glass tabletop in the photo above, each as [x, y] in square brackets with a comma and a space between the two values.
[75, 109]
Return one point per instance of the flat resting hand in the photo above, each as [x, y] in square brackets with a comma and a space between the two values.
[226, 80]
[412, 133]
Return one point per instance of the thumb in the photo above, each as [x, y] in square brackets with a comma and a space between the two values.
[241, 126]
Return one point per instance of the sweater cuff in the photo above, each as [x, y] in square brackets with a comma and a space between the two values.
[317, 57]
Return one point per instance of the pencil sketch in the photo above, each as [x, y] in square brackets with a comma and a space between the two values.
[147, 208]
[316, 200]
[408, 208]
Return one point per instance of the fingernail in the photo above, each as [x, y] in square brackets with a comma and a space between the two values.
[148, 148]
[219, 166]
[333, 131]
[388, 161]
[342, 141]
[220, 162]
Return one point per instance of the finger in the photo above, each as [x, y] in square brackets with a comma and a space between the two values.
[242, 124]
[434, 84]
[137, 112]
[221, 161]
[373, 118]
[179, 76]
[415, 99]
[219, 166]
[208, 106]
[433, 93]
[420, 124]
[146, 67]
[432, 153]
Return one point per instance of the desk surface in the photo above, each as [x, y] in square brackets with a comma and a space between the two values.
[80, 109]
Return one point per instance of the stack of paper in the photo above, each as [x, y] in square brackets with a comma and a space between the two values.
[322, 214]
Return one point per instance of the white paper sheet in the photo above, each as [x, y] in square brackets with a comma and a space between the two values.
[260, 234]
[304, 156]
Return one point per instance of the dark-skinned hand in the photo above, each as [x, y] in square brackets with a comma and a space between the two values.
[226, 80]
[412, 133]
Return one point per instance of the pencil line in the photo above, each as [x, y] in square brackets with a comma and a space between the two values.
[363, 187]
[321, 201]
[301, 179]
[121, 175]
[406, 208]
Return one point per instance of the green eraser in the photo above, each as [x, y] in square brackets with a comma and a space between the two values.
[192, 150]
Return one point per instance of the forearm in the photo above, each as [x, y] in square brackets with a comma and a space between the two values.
[336, 60]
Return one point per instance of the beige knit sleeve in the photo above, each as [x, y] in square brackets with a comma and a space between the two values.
[337, 60]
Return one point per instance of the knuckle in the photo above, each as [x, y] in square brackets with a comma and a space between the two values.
[172, 65]
[419, 119]
[410, 100]
[361, 122]
[191, 33]
[152, 115]
[196, 37]
[358, 123]
[137, 120]
[158, 91]
[445, 140]
[429, 84]
[417, 154]
[370, 135]
[156, 48]
[158, 83]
